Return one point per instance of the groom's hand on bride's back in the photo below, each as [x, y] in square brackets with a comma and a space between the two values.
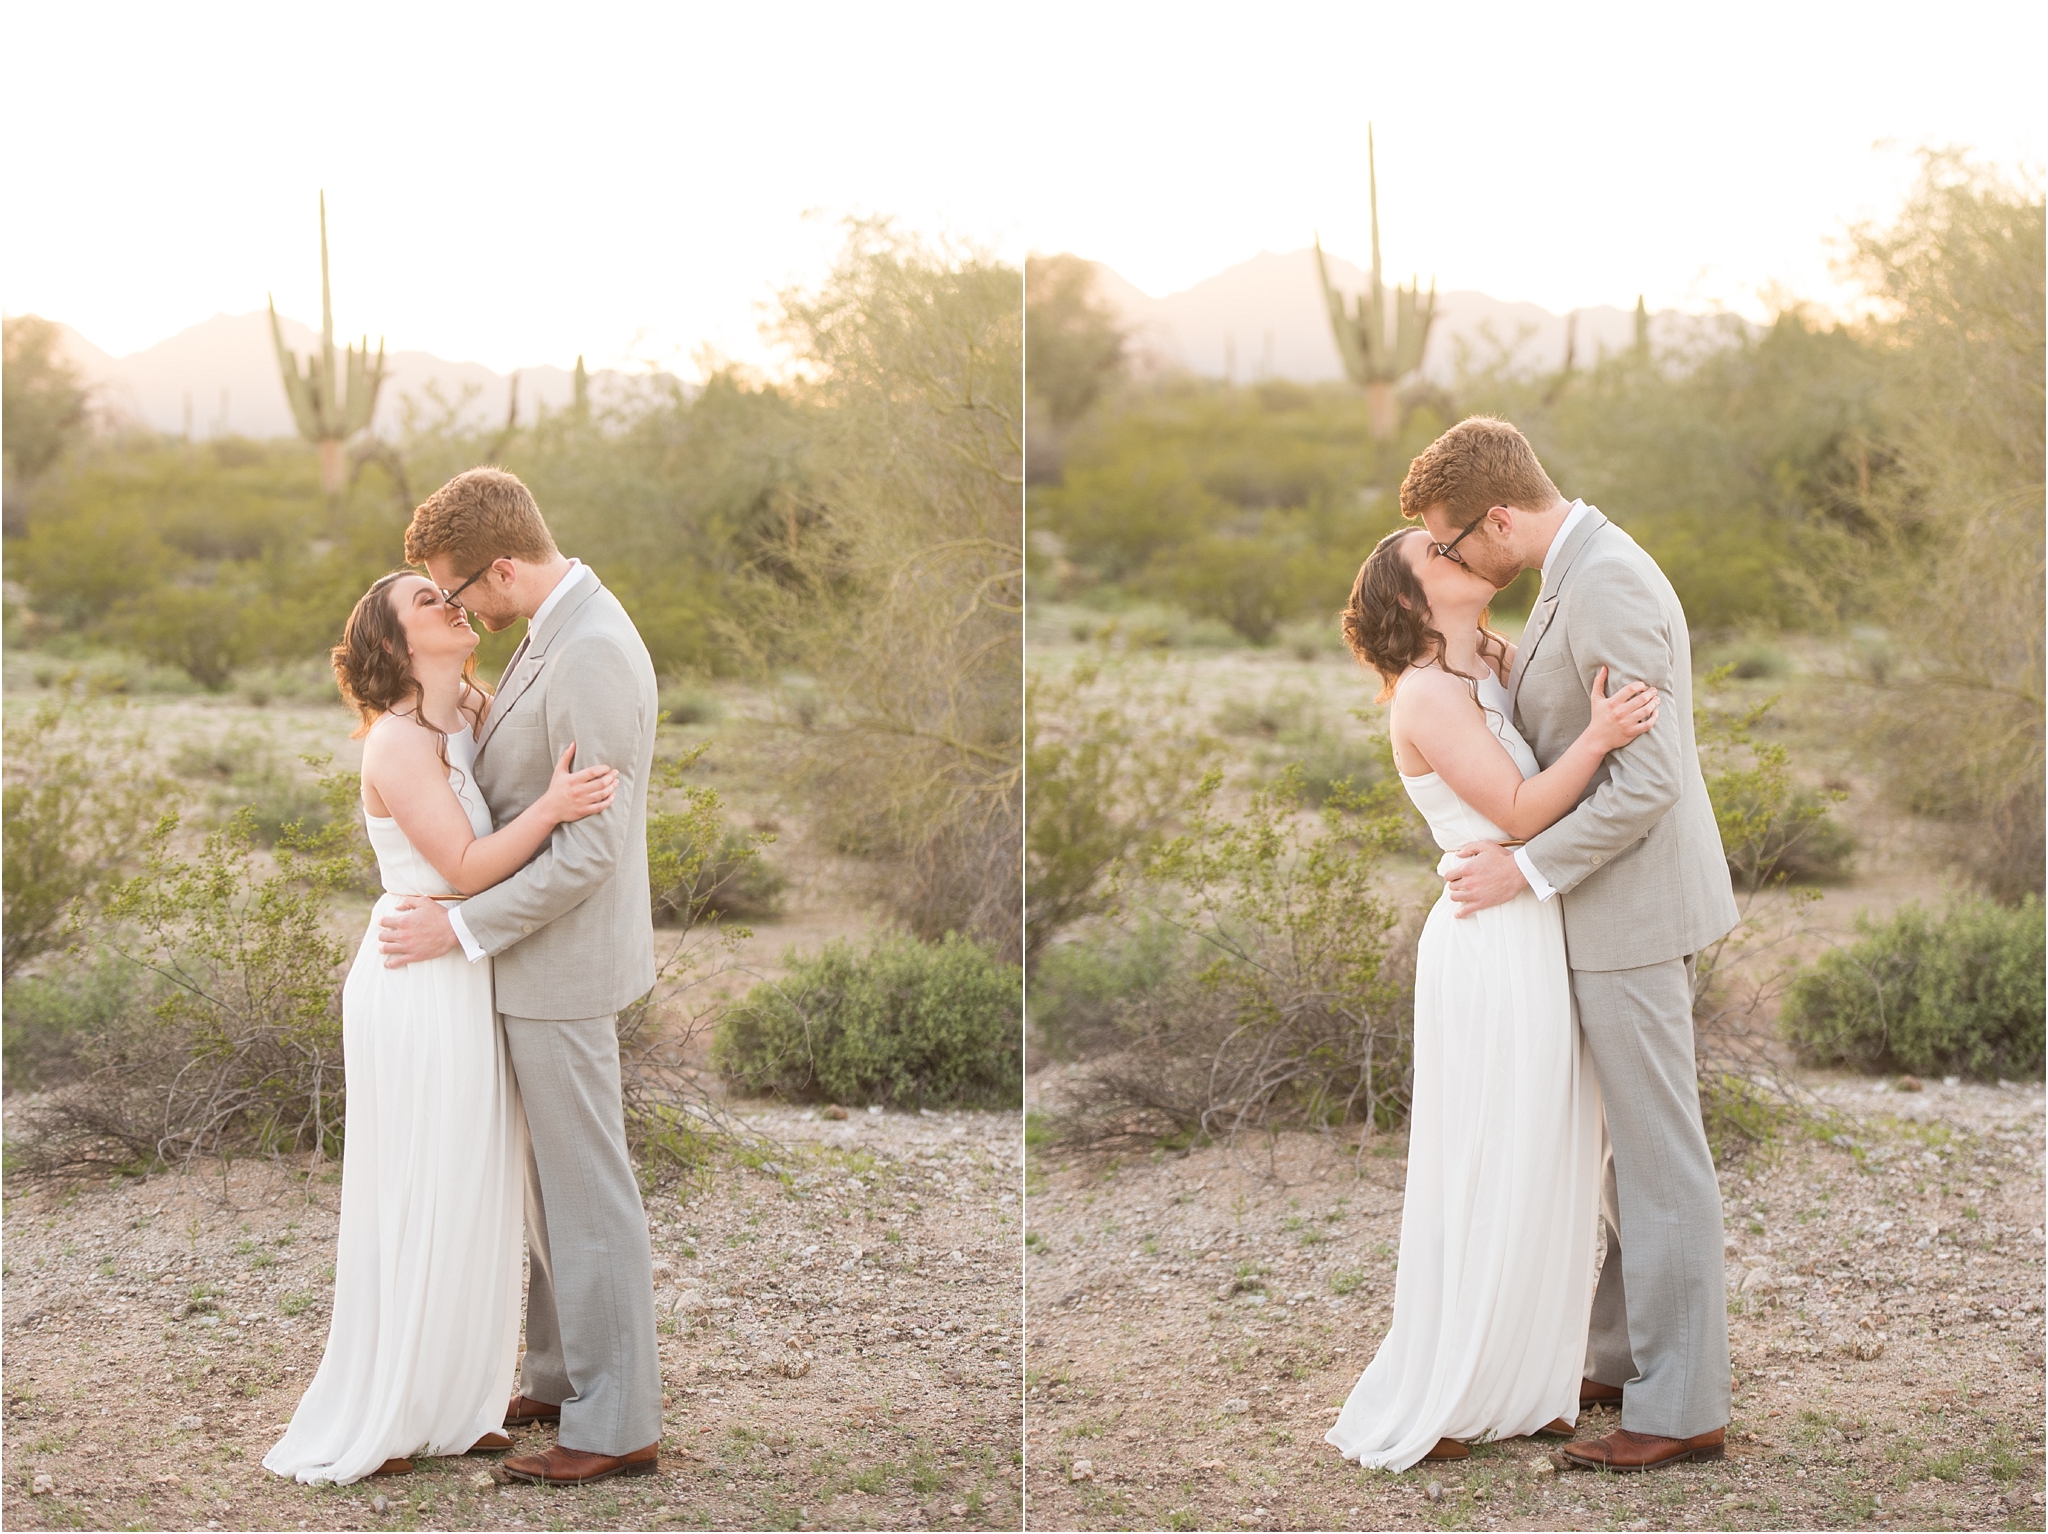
[1487, 876]
[416, 930]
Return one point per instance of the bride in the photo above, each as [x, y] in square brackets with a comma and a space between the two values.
[425, 1331]
[1493, 1289]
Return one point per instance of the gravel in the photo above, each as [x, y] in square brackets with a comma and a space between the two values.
[853, 1350]
[1885, 1316]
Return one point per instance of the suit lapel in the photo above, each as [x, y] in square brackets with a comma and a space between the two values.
[1546, 604]
[531, 656]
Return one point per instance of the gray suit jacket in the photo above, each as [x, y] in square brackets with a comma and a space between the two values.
[572, 932]
[1639, 861]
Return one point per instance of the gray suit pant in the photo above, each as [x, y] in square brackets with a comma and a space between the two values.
[1660, 1314]
[590, 1286]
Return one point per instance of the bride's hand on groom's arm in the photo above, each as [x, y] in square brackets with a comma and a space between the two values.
[416, 930]
[1487, 876]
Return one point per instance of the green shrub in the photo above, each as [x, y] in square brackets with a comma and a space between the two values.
[901, 1022]
[50, 1018]
[79, 798]
[1955, 994]
[684, 703]
[1080, 989]
[726, 876]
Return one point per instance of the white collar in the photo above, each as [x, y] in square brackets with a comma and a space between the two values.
[1579, 512]
[575, 572]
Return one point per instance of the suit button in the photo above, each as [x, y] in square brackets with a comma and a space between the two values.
[1596, 860]
[529, 926]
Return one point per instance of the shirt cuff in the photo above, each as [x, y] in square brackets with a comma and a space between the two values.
[472, 947]
[1537, 883]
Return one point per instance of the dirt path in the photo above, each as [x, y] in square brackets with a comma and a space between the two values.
[840, 1346]
[1155, 1401]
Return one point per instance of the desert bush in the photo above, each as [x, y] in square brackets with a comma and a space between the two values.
[79, 795]
[1948, 561]
[1105, 787]
[1954, 993]
[899, 594]
[237, 1039]
[901, 1022]
[1774, 831]
[245, 773]
[684, 702]
[54, 1017]
[1082, 988]
[1290, 1002]
[698, 867]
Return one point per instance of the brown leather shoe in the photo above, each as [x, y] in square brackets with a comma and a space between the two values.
[1593, 1393]
[557, 1466]
[394, 1467]
[1624, 1451]
[523, 1411]
[1556, 1427]
[1446, 1448]
[490, 1443]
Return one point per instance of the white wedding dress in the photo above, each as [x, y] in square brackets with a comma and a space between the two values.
[425, 1331]
[1494, 1287]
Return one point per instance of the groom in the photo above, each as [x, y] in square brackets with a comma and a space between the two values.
[1646, 885]
[573, 942]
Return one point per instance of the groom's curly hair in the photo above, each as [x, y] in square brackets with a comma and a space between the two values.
[1386, 623]
[1481, 462]
[478, 516]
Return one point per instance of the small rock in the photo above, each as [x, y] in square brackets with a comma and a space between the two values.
[1908, 1084]
[189, 1424]
[1640, 1525]
[1236, 1406]
[380, 1503]
[875, 1108]
[1435, 1492]
[796, 1366]
[483, 1480]
[835, 1112]
[42, 1486]
[1081, 1470]
[958, 1509]
[1758, 1280]
[1542, 1467]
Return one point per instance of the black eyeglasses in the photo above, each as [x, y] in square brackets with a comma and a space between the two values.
[449, 597]
[1445, 549]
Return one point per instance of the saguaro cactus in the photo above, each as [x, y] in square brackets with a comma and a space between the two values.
[328, 416]
[1374, 359]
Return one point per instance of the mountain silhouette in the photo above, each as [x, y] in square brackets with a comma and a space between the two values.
[220, 378]
[1264, 318]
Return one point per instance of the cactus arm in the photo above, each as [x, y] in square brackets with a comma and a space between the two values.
[1340, 322]
[298, 389]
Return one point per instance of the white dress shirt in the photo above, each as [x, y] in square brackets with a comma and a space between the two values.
[1571, 520]
[576, 571]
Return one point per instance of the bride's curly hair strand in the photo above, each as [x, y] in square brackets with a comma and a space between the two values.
[373, 667]
[1386, 624]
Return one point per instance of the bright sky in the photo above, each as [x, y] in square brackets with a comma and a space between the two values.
[1569, 155]
[510, 184]
[517, 184]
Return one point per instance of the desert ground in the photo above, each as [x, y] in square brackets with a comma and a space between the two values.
[839, 1309]
[1196, 1319]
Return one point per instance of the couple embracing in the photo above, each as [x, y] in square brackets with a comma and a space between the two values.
[482, 1056]
[1554, 1069]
